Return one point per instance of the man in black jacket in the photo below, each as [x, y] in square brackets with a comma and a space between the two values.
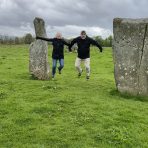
[84, 42]
[57, 53]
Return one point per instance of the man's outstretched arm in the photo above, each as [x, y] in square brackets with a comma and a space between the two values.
[66, 43]
[93, 42]
[45, 39]
[72, 43]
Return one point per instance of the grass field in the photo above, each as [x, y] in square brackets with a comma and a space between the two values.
[68, 112]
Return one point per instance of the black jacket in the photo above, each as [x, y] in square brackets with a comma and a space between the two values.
[58, 47]
[84, 46]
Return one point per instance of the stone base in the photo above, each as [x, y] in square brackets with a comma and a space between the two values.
[38, 61]
[130, 54]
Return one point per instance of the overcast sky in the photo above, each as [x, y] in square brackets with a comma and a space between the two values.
[67, 16]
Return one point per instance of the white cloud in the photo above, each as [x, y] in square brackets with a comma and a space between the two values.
[68, 16]
[74, 31]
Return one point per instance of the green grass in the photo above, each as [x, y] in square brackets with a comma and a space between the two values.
[69, 112]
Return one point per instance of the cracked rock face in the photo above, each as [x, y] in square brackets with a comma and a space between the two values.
[130, 53]
[38, 53]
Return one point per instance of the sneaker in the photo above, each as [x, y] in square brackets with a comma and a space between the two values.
[59, 71]
[87, 77]
[80, 73]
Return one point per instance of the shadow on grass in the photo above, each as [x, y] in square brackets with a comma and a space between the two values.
[24, 76]
[3, 95]
[115, 92]
[27, 76]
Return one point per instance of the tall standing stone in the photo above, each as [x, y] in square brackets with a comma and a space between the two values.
[130, 53]
[38, 60]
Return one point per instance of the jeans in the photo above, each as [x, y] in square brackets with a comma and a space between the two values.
[54, 65]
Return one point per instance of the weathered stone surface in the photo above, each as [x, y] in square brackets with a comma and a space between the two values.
[38, 60]
[130, 53]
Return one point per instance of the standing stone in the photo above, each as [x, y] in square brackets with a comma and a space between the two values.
[130, 54]
[38, 61]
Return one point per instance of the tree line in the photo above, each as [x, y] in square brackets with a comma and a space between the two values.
[28, 39]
